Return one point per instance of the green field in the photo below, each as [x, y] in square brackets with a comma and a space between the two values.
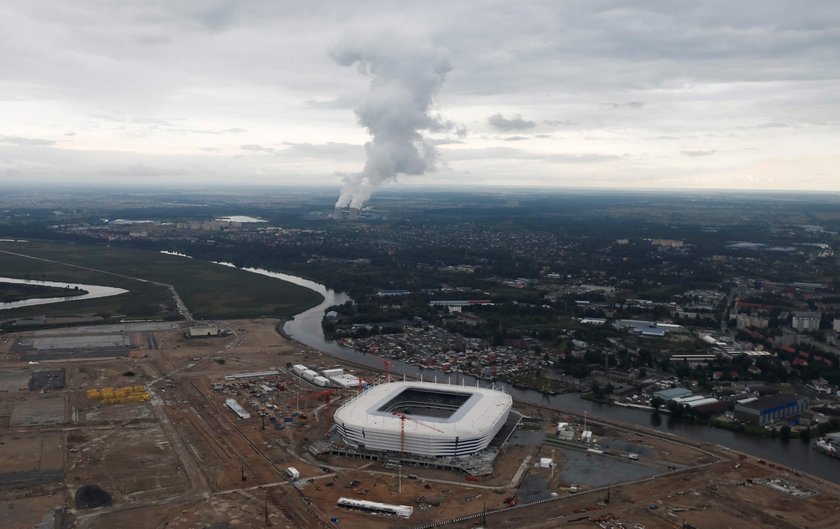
[210, 291]
[10, 292]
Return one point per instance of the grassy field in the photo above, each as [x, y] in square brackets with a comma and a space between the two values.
[209, 290]
[10, 292]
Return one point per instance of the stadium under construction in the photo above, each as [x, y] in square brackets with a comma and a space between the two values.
[424, 424]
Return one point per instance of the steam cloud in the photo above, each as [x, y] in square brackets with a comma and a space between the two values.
[406, 75]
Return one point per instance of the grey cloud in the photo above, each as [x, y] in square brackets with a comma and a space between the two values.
[330, 150]
[499, 122]
[559, 123]
[696, 154]
[517, 138]
[445, 141]
[259, 148]
[325, 150]
[582, 158]
[629, 104]
[702, 69]
[30, 142]
[340, 102]
[773, 125]
[493, 153]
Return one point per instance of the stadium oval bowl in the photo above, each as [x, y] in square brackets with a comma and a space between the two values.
[441, 419]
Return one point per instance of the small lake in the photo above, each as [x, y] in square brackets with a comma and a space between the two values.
[93, 292]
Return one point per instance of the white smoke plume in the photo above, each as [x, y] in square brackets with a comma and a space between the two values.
[406, 74]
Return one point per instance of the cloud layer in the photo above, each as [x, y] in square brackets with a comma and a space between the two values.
[579, 93]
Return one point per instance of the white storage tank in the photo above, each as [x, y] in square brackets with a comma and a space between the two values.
[309, 375]
[298, 369]
[320, 381]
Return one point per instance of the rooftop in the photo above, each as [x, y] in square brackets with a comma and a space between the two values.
[770, 401]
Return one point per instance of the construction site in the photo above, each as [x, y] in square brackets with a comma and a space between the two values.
[152, 427]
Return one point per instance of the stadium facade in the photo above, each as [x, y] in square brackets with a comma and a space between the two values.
[438, 419]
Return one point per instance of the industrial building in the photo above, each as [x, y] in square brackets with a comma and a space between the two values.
[770, 409]
[673, 393]
[237, 409]
[647, 328]
[343, 380]
[310, 376]
[424, 418]
[702, 404]
[565, 431]
[375, 507]
[202, 331]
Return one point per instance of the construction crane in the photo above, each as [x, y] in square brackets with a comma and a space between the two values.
[403, 417]
[386, 364]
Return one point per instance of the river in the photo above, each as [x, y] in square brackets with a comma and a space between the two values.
[306, 328]
[93, 292]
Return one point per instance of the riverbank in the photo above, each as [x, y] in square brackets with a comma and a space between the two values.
[305, 329]
[11, 292]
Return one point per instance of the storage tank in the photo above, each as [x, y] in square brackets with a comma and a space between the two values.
[309, 375]
[298, 369]
[320, 381]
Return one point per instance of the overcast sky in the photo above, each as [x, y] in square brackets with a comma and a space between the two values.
[615, 94]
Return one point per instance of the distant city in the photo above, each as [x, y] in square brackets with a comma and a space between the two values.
[587, 322]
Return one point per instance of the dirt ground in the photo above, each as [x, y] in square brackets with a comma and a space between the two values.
[719, 496]
[185, 460]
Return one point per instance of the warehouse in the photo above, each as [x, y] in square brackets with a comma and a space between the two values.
[375, 507]
[237, 409]
[770, 409]
[673, 393]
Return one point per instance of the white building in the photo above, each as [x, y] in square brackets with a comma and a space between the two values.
[806, 321]
[437, 419]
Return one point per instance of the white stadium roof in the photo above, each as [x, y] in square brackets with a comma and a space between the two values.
[463, 419]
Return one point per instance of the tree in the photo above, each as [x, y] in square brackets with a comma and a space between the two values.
[675, 408]
[656, 403]
[784, 433]
[805, 435]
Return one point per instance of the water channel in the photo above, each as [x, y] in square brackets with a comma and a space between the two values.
[306, 328]
[93, 292]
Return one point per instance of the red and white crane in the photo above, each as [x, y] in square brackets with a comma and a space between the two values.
[403, 417]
